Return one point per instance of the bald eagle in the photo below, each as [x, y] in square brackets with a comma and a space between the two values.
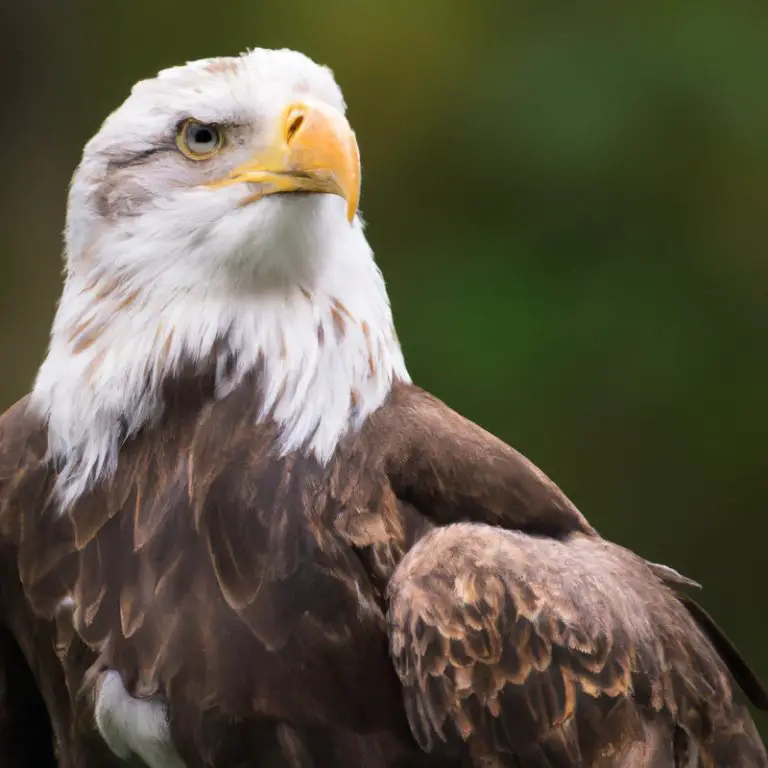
[234, 533]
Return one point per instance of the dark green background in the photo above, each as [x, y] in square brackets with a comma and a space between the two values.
[569, 201]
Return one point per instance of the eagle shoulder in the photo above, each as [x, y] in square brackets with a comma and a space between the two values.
[25, 476]
[452, 469]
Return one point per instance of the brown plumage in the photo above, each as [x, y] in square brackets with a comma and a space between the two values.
[262, 596]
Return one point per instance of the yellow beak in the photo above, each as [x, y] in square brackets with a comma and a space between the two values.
[314, 150]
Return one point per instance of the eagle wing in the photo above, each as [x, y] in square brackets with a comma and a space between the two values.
[41, 662]
[531, 634]
[544, 652]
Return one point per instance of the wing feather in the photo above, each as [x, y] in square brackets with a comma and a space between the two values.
[514, 644]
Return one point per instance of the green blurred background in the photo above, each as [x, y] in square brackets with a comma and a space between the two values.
[569, 202]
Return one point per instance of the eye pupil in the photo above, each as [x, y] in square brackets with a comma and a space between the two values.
[203, 136]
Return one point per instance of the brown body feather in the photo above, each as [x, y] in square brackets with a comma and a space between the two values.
[261, 594]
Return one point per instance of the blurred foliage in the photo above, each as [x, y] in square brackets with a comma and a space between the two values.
[569, 201]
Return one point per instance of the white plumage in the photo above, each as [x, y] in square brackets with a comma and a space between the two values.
[134, 726]
[197, 266]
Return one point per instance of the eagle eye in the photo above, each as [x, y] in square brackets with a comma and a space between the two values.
[198, 141]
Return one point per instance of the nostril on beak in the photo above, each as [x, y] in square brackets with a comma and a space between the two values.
[295, 119]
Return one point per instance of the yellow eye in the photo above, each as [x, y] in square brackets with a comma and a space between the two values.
[198, 141]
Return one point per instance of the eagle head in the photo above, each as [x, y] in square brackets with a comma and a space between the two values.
[213, 224]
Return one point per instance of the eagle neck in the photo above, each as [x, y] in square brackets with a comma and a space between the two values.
[324, 350]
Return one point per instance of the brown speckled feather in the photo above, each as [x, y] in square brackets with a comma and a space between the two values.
[250, 590]
[557, 652]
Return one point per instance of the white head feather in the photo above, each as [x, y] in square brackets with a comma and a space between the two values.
[160, 267]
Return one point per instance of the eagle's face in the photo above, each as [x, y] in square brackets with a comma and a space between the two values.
[194, 173]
